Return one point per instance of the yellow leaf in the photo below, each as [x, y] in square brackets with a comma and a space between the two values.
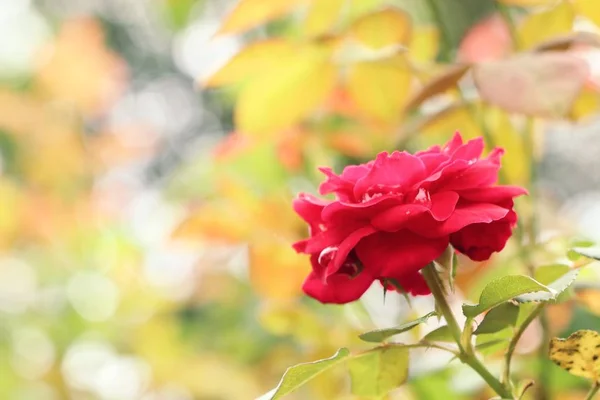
[515, 163]
[578, 354]
[527, 3]
[10, 212]
[587, 104]
[383, 28]
[568, 41]
[276, 270]
[323, 16]
[441, 83]
[284, 95]
[253, 59]
[248, 14]
[380, 88]
[447, 121]
[545, 25]
[213, 223]
[424, 43]
[588, 9]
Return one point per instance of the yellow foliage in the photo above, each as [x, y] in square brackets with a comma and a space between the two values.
[323, 16]
[380, 88]
[276, 271]
[383, 28]
[248, 14]
[578, 354]
[586, 105]
[424, 43]
[539, 27]
[251, 61]
[588, 9]
[10, 212]
[283, 95]
[446, 121]
[515, 162]
[528, 3]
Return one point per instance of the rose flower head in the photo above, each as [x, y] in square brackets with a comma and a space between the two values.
[394, 215]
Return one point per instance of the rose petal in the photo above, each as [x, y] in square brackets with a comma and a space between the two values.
[479, 241]
[398, 254]
[469, 151]
[345, 247]
[453, 143]
[339, 289]
[309, 208]
[492, 194]
[395, 218]
[464, 214]
[398, 171]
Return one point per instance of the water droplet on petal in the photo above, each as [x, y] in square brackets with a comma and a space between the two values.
[327, 255]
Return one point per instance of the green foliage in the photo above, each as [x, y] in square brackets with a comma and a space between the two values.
[441, 334]
[377, 371]
[298, 375]
[589, 252]
[502, 290]
[380, 335]
[498, 318]
[556, 287]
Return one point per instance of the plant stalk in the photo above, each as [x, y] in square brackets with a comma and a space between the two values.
[593, 391]
[435, 285]
[515, 340]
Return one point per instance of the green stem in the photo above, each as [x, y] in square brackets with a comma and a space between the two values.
[512, 28]
[445, 32]
[593, 391]
[515, 339]
[435, 285]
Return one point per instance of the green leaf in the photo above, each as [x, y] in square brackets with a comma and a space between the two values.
[441, 334]
[498, 318]
[577, 244]
[379, 335]
[503, 289]
[547, 274]
[557, 287]
[490, 343]
[589, 252]
[453, 270]
[298, 375]
[377, 371]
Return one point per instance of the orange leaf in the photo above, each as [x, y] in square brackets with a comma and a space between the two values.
[248, 14]
[383, 28]
[380, 88]
[543, 84]
[276, 271]
[286, 93]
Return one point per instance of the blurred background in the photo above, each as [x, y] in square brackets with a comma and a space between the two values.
[145, 237]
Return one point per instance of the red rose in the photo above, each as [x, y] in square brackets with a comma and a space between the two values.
[394, 215]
